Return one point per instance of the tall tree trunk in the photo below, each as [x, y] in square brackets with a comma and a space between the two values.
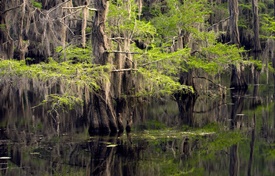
[256, 24]
[85, 13]
[185, 100]
[103, 116]
[233, 22]
[110, 110]
[237, 76]
[22, 45]
[257, 45]
[6, 42]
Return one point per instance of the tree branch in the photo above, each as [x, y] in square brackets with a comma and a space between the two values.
[52, 9]
[201, 77]
[210, 109]
[223, 20]
[125, 69]
[125, 52]
[78, 7]
[5, 11]
[148, 63]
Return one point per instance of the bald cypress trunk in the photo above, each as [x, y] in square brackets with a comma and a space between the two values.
[103, 117]
[6, 42]
[233, 22]
[257, 44]
[237, 76]
[109, 109]
[185, 100]
[256, 26]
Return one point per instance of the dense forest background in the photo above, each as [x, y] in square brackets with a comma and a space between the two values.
[103, 61]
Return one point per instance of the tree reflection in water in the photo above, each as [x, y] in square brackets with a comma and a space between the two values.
[34, 147]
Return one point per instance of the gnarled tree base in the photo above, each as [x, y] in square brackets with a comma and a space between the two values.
[238, 81]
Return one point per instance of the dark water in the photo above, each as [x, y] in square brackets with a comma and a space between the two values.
[230, 135]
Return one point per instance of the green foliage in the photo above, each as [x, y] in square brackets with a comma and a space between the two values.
[154, 124]
[122, 18]
[181, 17]
[217, 58]
[189, 19]
[62, 102]
[259, 65]
[159, 66]
[267, 27]
[80, 75]
[36, 4]
[270, 152]
[75, 54]
[156, 83]
[222, 141]
[2, 26]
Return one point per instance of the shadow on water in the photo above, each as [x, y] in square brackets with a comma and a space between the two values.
[232, 135]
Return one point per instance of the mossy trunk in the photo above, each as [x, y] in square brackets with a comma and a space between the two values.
[6, 43]
[109, 109]
[256, 26]
[186, 100]
[237, 77]
[103, 117]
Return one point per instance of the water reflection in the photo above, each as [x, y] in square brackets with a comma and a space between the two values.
[242, 143]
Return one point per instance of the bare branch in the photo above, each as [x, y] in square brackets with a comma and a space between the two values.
[11, 9]
[126, 52]
[125, 69]
[67, 26]
[78, 7]
[201, 77]
[221, 21]
[70, 14]
[118, 38]
[54, 8]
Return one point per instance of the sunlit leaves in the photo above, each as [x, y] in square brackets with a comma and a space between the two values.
[82, 74]
[36, 4]
[122, 19]
[268, 27]
[157, 83]
[145, 29]
[181, 16]
[62, 102]
[75, 54]
[216, 58]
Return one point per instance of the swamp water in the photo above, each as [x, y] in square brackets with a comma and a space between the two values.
[233, 135]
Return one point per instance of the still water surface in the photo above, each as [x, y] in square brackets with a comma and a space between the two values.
[233, 135]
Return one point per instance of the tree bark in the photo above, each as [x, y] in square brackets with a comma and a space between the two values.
[237, 76]
[186, 101]
[6, 43]
[102, 115]
[233, 22]
[109, 108]
[257, 44]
